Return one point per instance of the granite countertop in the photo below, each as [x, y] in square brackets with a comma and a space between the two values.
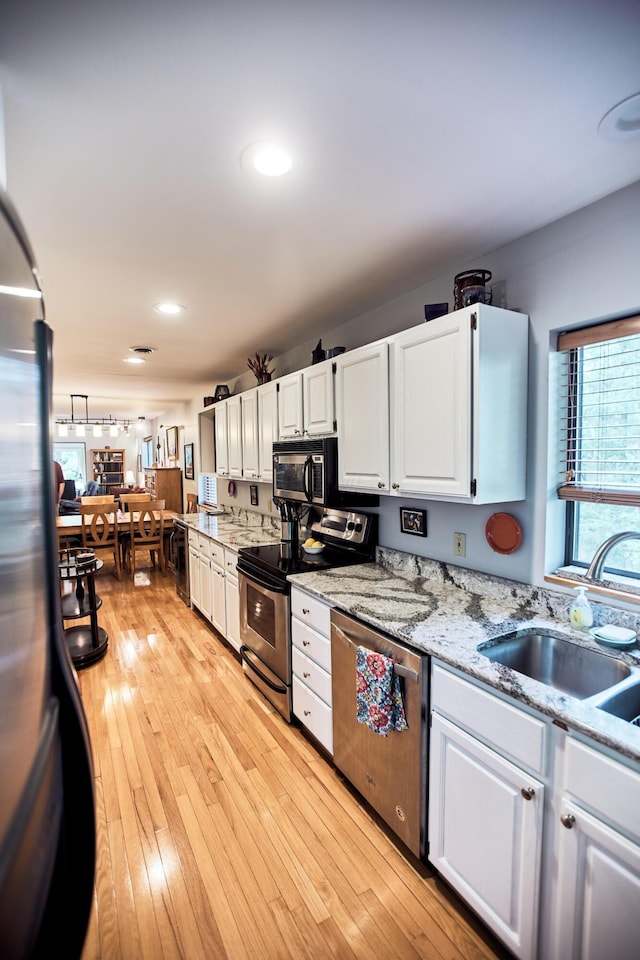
[446, 611]
[234, 530]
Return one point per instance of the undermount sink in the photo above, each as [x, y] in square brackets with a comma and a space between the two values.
[557, 662]
[624, 704]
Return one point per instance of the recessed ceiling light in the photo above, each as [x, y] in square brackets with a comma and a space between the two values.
[622, 122]
[133, 360]
[270, 159]
[142, 351]
[169, 309]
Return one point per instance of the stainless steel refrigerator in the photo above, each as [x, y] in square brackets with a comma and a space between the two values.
[47, 814]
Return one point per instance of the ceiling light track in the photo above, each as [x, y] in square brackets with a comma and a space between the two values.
[112, 425]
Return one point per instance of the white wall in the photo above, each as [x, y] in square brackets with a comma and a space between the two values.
[577, 270]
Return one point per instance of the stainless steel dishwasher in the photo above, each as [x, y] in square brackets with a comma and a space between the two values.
[390, 772]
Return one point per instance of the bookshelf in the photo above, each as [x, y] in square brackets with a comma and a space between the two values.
[108, 466]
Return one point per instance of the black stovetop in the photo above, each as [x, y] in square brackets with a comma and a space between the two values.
[281, 559]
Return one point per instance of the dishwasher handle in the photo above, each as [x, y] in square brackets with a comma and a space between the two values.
[398, 668]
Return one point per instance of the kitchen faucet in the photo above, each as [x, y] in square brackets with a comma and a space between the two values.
[595, 567]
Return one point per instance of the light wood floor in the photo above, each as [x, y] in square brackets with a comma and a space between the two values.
[222, 832]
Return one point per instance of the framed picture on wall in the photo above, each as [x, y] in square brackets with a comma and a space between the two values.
[188, 461]
[413, 521]
[172, 443]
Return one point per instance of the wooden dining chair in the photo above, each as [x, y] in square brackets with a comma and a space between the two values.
[127, 498]
[192, 503]
[102, 498]
[100, 529]
[146, 532]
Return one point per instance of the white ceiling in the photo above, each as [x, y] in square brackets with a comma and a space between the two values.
[422, 130]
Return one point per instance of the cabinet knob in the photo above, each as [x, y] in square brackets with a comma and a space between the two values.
[296, 431]
[305, 611]
[380, 484]
[305, 643]
[567, 820]
[528, 793]
[307, 713]
[395, 486]
[306, 675]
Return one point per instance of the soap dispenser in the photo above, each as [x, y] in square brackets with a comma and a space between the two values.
[581, 614]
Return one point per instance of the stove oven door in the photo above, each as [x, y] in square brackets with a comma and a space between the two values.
[265, 637]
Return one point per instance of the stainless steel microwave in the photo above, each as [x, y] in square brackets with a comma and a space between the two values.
[306, 471]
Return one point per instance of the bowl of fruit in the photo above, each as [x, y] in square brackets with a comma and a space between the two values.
[312, 546]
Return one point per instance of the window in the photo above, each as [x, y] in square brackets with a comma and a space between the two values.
[147, 452]
[72, 458]
[601, 442]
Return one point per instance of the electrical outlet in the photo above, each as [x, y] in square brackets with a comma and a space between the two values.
[460, 544]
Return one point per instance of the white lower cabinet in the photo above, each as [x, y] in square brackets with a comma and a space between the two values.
[311, 661]
[232, 599]
[596, 903]
[214, 585]
[538, 829]
[485, 833]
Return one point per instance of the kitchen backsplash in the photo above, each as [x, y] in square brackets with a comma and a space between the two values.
[542, 602]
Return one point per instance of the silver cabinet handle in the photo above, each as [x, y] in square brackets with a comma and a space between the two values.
[528, 793]
[567, 820]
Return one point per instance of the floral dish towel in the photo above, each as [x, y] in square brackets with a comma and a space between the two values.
[378, 694]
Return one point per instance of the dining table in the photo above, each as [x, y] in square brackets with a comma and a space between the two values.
[70, 525]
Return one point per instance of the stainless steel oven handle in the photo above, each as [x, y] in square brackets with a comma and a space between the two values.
[254, 578]
[278, 688]
[398, 668]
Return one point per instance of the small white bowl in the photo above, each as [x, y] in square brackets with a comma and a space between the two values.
[313, 549]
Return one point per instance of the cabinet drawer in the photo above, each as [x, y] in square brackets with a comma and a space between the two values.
[609, 787]
[504, 726]
[312, 675]
[216, 552]
[314, 612]
[314, 646]
[230, 561]
[314, 714]
[204, 545]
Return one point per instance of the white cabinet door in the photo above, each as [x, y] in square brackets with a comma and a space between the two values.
[234, 434]
[362, 412]
[194, 576]
[232, 604]
[267, 428]
[597, 901]
[290, 419]
[218, 606]
[485, 833]
[250, 449]
[222, 442]
[232, 599]
[318, 399]
[431, 408]
[204, 585]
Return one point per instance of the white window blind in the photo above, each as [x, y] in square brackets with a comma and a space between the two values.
[207, 489]
[601, 430]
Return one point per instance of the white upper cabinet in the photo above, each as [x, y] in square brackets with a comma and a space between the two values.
[362, 412]
[267, 428]
[290, 420]
[250, 444]
[306, 402]
[431, 408]
[318, 408]
[222, 442]
[458, 388]
[234, 435]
